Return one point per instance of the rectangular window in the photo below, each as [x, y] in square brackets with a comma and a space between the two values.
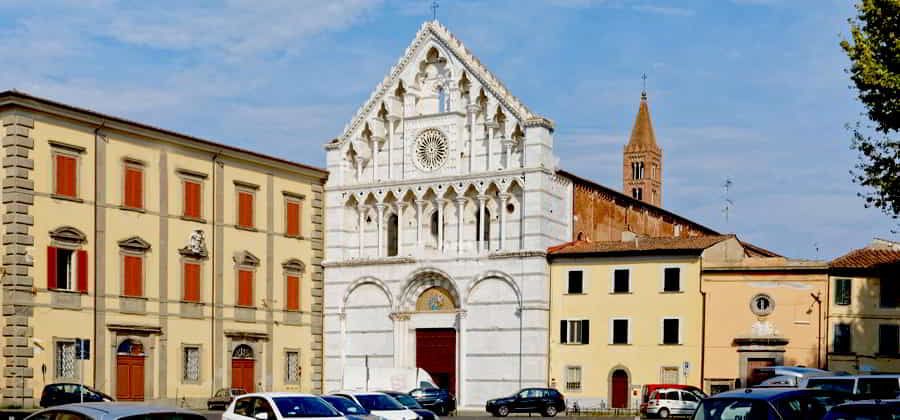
[245, 288]
[133, 273]
[292, 301]
[671, 333]
[620, 331]
[888, 339]
[842, 340]
[292, 367]
[66, 178]
[292, 218]
[191, 364]
[191, 275]
[621, 281]
[67, 269]
[668, 375]
[573, 378]
[672, 279]
[890, 293]
[134, 187]
[65, 359]
[576, 282]
[193, 204]
[842, 292]
[575, 331]
[245, 209]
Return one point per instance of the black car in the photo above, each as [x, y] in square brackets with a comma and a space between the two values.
[435, 399]
[544, 401]
[868, 410]
[411, 403]
[223, 398]
[65, 393]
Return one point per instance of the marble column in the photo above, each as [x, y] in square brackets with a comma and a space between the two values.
[380, 226]
[361, 210]
[504, 199]
[460, 204]
[401, 205]
[419, 204]
[481, 199]
[440, 208]
[507, 150]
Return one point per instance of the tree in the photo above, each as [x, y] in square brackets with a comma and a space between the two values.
[874, 52]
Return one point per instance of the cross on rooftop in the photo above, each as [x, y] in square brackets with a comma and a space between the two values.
[434, 7]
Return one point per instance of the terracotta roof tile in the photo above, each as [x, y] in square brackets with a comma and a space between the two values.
[867, 258]
[639, 245]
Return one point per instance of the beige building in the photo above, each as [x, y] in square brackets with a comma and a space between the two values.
[864, 310]
[189, 265]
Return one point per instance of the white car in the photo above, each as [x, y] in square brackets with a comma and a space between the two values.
[672, 402]
[280, 405]
[380, 404]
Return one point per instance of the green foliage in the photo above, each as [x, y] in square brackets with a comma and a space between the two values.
[874, 51]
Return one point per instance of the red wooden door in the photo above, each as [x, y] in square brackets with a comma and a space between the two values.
[619, 389]
[242, 374]
[130, 378]
[436, 353]
[754, 377]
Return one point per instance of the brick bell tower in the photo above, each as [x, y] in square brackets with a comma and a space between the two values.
[642, 159]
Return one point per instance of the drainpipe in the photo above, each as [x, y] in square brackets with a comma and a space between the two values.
[702, 328]
[97, 139]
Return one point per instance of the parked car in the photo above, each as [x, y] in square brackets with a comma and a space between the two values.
[866, 410]
[349, 408]
[279, 405]
[648, 389]
[859, 386]
[223, 397]
[672, 402]
[762, 404]
[380, 404]
[544, 401]
[114, 411]
[435, 399]
[66, 393]
[782, 376]
[411, 403]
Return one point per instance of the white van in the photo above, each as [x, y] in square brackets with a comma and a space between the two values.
[864, 386]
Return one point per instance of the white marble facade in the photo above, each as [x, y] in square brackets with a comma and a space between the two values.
[439, 146]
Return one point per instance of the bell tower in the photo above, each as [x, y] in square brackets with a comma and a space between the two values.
[642, 159]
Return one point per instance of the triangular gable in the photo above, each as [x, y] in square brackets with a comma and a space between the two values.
[433, 30]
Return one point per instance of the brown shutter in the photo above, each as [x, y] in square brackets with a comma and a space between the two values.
[293, 293]
[245, 209]
[293, 218]
[51, 267]
[133, 272]
[66, 179]
[82, 271]
[134, 186]
[192, 199]
[245, 288]
[191, 282]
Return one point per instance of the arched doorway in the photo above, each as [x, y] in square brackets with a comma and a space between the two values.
[619, 389]
[243, 367]
[130, 371]
[436, 347]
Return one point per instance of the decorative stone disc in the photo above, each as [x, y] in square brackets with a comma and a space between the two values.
[431, 149]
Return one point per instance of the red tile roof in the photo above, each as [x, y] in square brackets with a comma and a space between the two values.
[867, 258]
[695, 244]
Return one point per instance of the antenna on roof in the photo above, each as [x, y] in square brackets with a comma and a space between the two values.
[726, 208]
[434, 7]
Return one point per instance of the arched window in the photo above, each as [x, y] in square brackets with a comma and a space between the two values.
[442, 99]
[242, 351]
[486, 238]
[393, 227]
[131, 348]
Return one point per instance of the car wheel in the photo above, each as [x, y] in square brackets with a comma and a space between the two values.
[549, 411]
[502, 411]
[663, 413]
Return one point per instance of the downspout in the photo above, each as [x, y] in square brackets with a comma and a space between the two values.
[97, 140]
[702, 329]
[550, 317]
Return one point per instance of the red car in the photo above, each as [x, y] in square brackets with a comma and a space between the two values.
[648, 389]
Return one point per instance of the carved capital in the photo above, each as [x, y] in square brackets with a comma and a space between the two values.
[399, 316]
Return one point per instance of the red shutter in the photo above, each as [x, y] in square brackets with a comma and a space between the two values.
[192, 199]
[245, 209]
[293, 218]
[191, 282]
[245, 288]
[293, 293]
[134, 186]
[82, 271]
[51, 267]
[133, 270]
[66, 178]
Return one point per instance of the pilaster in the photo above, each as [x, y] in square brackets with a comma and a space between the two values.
[318, 288]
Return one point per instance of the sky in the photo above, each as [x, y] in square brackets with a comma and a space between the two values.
[754, 91]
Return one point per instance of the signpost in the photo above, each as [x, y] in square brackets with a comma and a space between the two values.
[82, 353]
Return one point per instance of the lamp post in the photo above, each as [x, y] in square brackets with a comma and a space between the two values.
[817, 300]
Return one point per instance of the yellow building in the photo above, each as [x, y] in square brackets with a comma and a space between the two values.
[189, 265]
[864, 310]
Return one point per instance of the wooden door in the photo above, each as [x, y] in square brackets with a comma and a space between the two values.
[754, 377]
[242, 374]
[130, 378]
[436, 353]
[619, 397]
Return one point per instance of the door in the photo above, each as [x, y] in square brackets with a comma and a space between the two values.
[129, 378]
[754, 377]
[242, 374]
[436, 353]
[689, 402]
[619, 397]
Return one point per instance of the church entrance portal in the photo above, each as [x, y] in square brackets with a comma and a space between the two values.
[436, 353]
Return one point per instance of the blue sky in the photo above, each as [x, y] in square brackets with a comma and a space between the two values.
[753, 90]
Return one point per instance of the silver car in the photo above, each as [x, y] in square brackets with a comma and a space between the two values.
[667, 402]
[113, 411]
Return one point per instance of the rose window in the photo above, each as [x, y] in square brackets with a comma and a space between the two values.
[431, 149]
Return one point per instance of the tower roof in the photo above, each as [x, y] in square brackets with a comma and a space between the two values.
[642, 137]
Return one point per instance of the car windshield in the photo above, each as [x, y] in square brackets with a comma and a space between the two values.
[732, 409]
[374, 402]
[406, 400]
[345, 405]
[840, 385]
[161, 416]
[297, 407]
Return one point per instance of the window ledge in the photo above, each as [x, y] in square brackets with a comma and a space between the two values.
[193, 219]
[671, 344]
[133, 297]
[574, 294]
[621, 293]
[247, 228]
[66, 198]
[620, 344]
[299, 237]
[574, 344]
[672, 292]
[67, 291]
[134, 209]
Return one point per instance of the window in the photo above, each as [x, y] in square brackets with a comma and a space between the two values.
[620, 333]
[672, 279]
[191, 364]
[671, 333]
[134, 186]
[842, 339]
[292, 367]
[67, 269]
[573, 378]
[434, 228]
[888, 339]
[245, 288]
[668, 375]
[621, 281]
[575, 331]
[245, 209]
[191, 274]
[193, 204]
[133, 275]
[842, 292]
[687, 396]
[576, 282]
[292, 301]
[442, 99]
[66, 179]
[292, 217]
[65, 359]
[393, 237]
[890, 293]
[483, 237]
